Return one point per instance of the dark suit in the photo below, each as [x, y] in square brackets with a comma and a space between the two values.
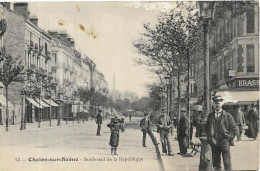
[183, 133]
[145, 124]
[164, 121]
[99, 122]
[220, 132]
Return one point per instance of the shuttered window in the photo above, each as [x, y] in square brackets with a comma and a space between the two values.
[250, 58]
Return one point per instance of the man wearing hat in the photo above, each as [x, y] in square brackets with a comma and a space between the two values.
[183, 132]
[99, 122]
[221, 130]
[164, 125]
[145, 124]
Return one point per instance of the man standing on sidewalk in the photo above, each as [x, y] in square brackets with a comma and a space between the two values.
[99, 122]
[221, 130]
[240, 121]
[145, 124]
[164, 125]
[183, 132]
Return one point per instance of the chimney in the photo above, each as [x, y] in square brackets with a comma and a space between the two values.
[72, 43]
[53, 33]
[34, 20]
[63, 37]
[69, 41]
[22, 9]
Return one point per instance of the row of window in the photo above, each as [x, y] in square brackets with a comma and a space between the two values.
[232, 28]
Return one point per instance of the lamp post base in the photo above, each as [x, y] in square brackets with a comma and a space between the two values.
[205, 155]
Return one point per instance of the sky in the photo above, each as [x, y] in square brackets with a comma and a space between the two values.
[105, 32]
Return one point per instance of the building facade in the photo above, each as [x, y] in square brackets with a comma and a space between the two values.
[234, 56]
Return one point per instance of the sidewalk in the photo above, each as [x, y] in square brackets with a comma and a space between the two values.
[245, 151]
[178, 162]
[43, 125]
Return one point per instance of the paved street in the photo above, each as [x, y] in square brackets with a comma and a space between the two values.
[79, 142]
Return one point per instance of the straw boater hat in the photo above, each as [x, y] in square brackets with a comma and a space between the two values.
[217, 99]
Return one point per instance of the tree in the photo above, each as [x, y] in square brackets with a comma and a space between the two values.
[173, 44]
[9, 73]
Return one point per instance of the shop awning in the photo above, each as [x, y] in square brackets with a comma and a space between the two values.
[50, 102]
[32, 101]
[239, 97]
[42, 103]
[3, 102]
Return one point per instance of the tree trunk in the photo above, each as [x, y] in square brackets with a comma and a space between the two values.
[7, 112]
[50, 116]
[59, 113]
[188, 100]
[179, 94]
[23, 114]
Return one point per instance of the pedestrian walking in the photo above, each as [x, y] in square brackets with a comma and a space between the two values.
[183, 132]
[114, 137]
[240, 121]
[164, 125]
[146, 126]
[99, 122]
[221, 130]
[130, 117]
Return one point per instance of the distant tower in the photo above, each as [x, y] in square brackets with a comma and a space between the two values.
[114, 87]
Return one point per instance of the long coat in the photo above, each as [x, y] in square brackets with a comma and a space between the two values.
[99, 119]
[183, 126]
[252, 125]
[228, 127]
[114, 137]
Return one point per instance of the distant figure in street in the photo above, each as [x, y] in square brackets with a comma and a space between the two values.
[145, 124]
[164, 125]
[114, 137]
[240, 121]
[130, 117]
[252, 123]
[221, 130]
[183, 132]
[99, 122]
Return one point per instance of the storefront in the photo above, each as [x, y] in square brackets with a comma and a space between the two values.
[240, 92]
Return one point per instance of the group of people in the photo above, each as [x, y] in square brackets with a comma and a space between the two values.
[221, 129]
[117, 123]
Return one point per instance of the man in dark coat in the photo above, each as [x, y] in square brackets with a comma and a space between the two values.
[183, 132]
[99, 122]
[221, 130]
[252, 126]
[164, 125]
[145, 124]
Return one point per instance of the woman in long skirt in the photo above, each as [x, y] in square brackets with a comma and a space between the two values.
[114, 137]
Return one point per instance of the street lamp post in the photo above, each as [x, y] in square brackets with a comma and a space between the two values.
[206, 13]
[167, 79]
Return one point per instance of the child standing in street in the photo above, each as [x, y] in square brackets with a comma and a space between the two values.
[114, 137]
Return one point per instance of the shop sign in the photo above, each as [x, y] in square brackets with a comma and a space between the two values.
[251, 82]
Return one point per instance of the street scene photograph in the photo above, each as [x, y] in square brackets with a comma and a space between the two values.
[129, 85]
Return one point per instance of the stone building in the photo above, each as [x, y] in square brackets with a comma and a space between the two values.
[234, 57]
